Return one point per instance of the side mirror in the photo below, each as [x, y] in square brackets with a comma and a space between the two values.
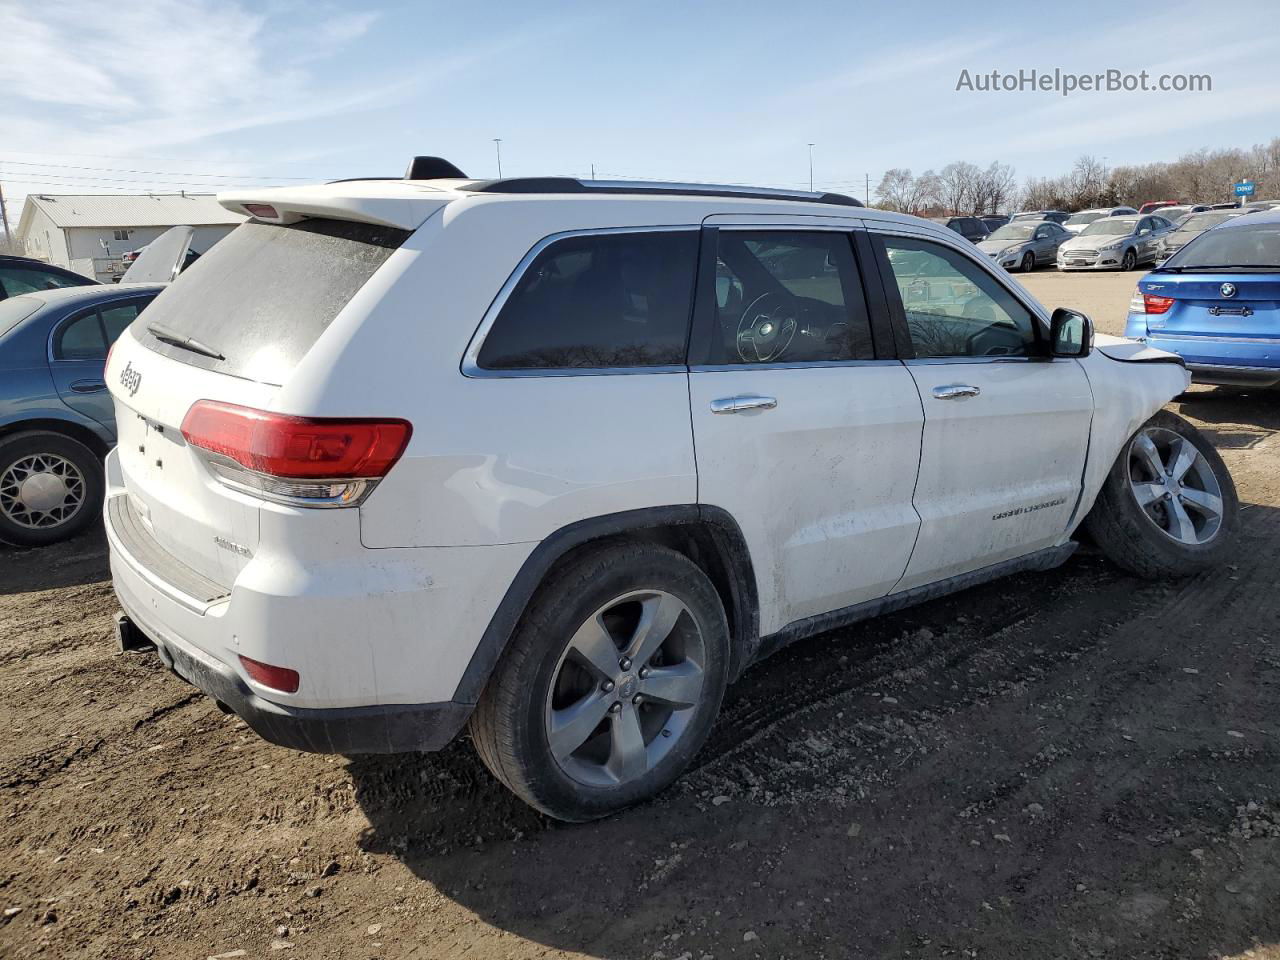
[1070, 333]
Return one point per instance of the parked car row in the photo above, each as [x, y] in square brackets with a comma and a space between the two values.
[1119, 238]
[57, 420]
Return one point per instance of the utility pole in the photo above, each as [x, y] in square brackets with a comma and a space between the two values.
[868, 189]
[593, 171]
[4, 218]
[497, 146]
[811, 168]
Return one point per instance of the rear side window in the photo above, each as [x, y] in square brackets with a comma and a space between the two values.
[262, 296]
[80, 339]
[598, 301]
[87, 336]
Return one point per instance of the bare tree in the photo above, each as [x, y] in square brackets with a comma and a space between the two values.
[958, 187]
[901, 191]
[996, 188]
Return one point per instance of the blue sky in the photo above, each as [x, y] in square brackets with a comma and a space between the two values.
[221, 92]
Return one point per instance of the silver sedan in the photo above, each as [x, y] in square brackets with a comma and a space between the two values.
[1024, 244]
[1115, 243]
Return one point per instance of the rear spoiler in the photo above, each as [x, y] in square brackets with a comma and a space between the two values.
[387, 203]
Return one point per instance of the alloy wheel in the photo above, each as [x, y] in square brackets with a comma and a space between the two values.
[41, 491]
[1175, 486]
[625, 688]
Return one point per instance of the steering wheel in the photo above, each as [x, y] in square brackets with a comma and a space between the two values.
[767, 327]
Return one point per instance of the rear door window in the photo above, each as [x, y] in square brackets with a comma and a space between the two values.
[262, 296]
[788, 297]
[598, 301]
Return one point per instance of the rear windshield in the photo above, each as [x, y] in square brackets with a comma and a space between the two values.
[1252, 247]
[261, 297]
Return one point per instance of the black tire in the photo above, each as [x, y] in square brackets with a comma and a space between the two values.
[509, 725]
[1129, 260]
[1028, 262]
[1133, 540]
[24, 528]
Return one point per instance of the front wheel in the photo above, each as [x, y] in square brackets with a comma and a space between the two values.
[1129, 260]
[1168, 507]
[1028, 262]
[610, 684]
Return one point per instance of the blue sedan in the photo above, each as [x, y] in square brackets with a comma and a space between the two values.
[1216, 303]
[56, 417]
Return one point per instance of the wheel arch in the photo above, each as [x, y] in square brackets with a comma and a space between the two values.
[709, 536]
[73, 429]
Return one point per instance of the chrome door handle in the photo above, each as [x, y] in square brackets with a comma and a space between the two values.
[739, 404]
[955, 391]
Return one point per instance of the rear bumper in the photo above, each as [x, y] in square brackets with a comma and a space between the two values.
[1234, 376]
[398, 728]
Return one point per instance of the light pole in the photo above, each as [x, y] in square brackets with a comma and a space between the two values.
[811, 168]
[497, 146]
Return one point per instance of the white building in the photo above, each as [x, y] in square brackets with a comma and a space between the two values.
[90, 233]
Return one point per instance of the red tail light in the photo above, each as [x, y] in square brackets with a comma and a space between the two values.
[296, 448]
[1154, 304]
[277, 678]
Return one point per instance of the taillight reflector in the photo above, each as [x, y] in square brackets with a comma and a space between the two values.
[277, 678]
[1154, 304]
[302, 448]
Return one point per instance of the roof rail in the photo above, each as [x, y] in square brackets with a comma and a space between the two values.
[660, 187]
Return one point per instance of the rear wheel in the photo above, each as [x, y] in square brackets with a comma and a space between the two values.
[51, 488]
[610, 685]
[1028, 262]
[1168, 507]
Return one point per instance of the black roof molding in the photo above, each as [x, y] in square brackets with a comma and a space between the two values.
[643, 187]
[433, 168]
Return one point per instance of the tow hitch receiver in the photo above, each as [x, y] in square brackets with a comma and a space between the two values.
[129, 638]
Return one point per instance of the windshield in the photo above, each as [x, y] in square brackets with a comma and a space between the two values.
[1203, 221]
[261, 297]
[1256, 246]
[1110, 226]
[1033, 215]
[1084, 218]
[16, 309]
[1014, 231]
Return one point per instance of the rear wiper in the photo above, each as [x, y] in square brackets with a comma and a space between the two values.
[168, 335]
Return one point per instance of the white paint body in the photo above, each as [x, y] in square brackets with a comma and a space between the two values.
[857, 485]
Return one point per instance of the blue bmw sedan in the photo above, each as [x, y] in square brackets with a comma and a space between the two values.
[1216, 303]
[56, 417]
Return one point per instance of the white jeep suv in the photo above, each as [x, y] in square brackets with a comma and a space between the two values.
[559, 459]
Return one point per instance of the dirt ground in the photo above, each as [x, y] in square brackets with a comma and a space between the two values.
[1069, 764]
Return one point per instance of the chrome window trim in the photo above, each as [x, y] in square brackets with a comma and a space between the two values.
[470, 365]
[944, 361]
[791, 365]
